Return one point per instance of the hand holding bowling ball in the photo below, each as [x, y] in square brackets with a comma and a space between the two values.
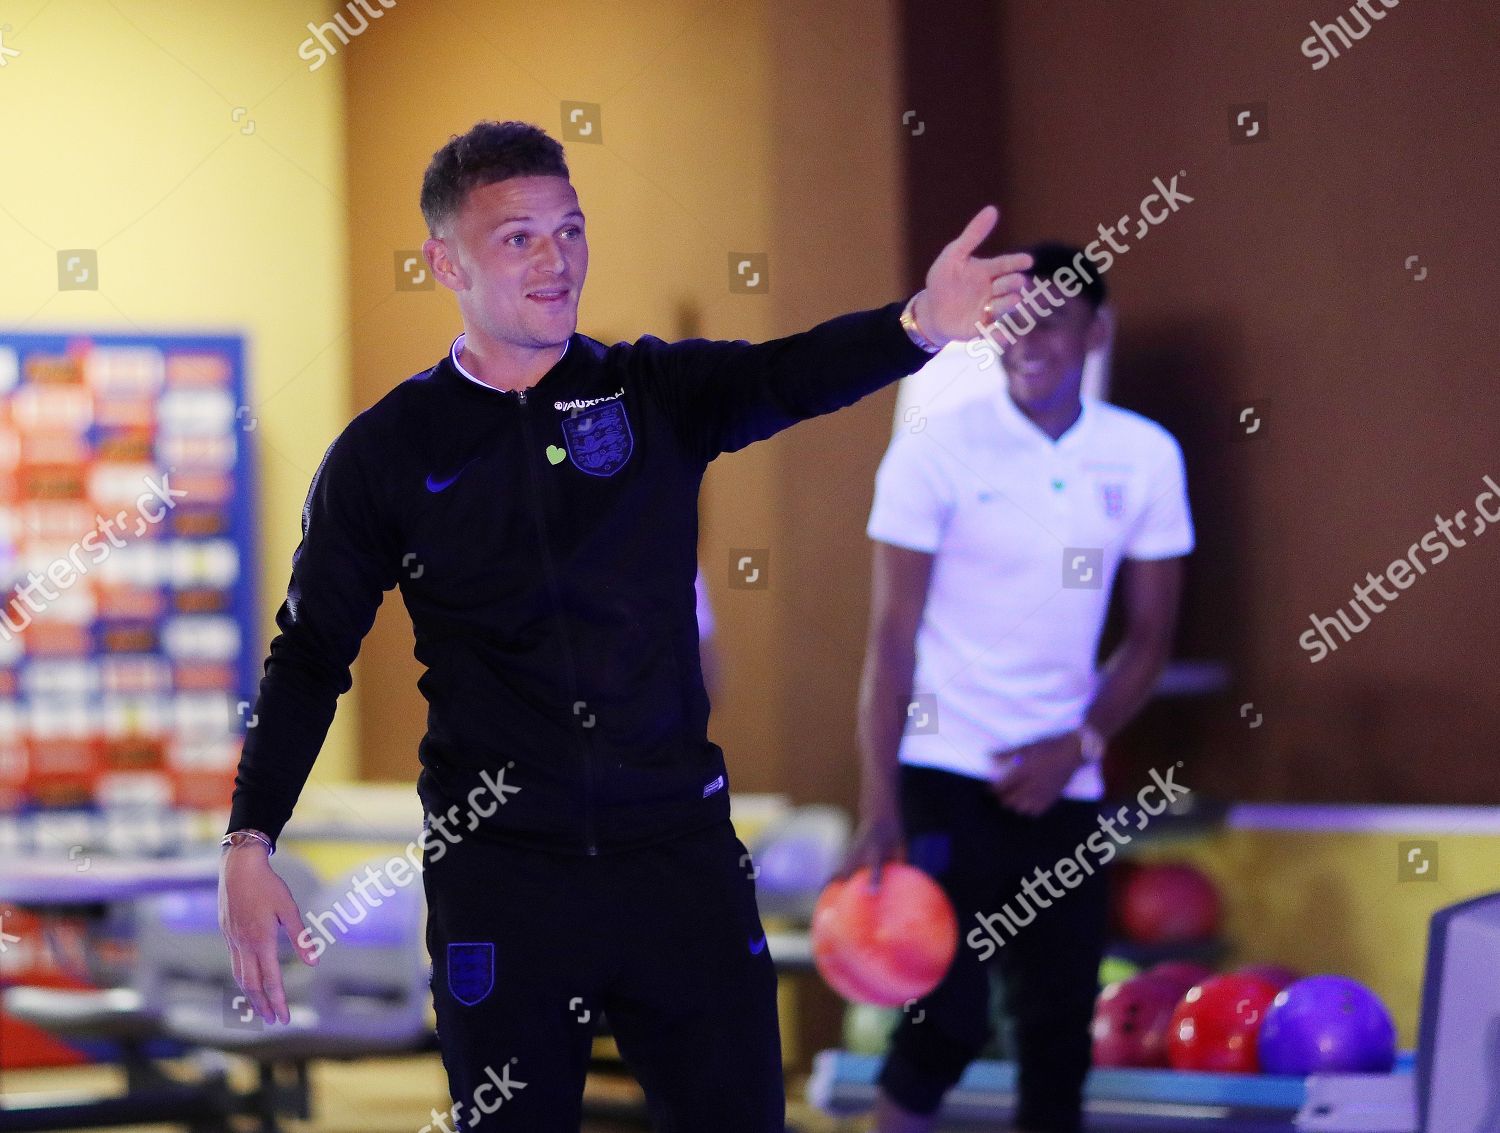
[888, 944]
[879, 839]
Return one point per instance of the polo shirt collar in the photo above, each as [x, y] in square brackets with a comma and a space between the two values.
[1017, 423]
[457, 348]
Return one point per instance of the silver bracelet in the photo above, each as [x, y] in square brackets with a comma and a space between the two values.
[239, 837]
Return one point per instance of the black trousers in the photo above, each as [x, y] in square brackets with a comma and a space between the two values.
[981, 853]
[528, 947]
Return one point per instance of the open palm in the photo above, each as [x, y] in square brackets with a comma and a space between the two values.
[965, 292]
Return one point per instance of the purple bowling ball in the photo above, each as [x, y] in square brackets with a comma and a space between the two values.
[1327, 1025]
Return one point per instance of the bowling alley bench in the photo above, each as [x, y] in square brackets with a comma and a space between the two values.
[843, 1085]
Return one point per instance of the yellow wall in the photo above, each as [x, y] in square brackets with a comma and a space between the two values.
[1332, 902]
[118, 133]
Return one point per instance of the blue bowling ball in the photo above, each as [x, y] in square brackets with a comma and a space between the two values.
[1327, 1025]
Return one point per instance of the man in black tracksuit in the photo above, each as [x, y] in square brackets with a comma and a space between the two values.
[534, 496]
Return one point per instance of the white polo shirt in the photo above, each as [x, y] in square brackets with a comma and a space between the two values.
[1027, 533]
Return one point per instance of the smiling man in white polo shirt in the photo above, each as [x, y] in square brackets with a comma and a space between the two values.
[1001, 527]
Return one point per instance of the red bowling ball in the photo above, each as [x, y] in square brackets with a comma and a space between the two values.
[1131, 1019]
[1215, 1026]
[1169, 903]
[886, 945]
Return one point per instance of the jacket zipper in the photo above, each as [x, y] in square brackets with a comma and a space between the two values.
[572, 670]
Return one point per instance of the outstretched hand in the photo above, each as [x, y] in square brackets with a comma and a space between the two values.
[965, 292]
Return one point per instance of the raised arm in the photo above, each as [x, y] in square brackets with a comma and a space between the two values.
[723, 396]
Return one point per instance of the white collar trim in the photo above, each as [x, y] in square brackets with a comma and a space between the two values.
[457, 348]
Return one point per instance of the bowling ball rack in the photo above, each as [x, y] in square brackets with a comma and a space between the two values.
[1162, 1101]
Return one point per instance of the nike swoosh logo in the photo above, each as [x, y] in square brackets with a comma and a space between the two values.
[436, 485]
[758, 946]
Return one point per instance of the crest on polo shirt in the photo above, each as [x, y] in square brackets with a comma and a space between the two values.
[599, 439]
[1112, 494]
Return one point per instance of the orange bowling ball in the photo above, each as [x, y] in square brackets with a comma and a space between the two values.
[888, 945]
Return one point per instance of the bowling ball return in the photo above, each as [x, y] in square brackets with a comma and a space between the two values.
[1161, 1101]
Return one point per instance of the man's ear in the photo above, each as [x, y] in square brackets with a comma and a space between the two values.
[445, 268]
[1101, 329]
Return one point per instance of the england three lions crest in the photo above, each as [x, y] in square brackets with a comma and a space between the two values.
[599, 439]
[1113, 496]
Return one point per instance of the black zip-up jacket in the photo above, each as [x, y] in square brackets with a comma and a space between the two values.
[545, 544]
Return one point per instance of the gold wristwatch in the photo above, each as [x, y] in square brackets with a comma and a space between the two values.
[913, 331]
